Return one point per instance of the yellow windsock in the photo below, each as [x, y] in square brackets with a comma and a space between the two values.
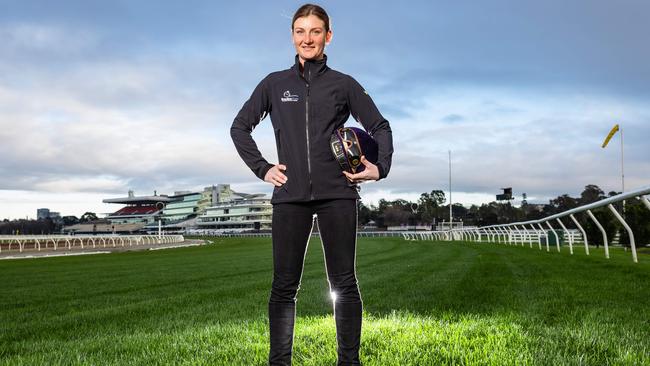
[610, 135]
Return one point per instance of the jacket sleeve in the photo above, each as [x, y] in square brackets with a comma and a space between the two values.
[364, 111]
[253, 111]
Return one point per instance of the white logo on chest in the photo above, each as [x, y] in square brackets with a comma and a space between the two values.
[288, 97]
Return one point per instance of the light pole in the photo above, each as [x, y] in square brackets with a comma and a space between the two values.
[451, 217]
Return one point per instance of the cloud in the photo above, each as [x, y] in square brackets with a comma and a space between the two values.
[522, 94]
[453, 118]
[545, 147]
[129, 122]
[33, 38]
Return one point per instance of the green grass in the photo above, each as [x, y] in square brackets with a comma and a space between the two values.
[425, 303]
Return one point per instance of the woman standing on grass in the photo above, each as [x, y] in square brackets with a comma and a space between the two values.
[307, 103]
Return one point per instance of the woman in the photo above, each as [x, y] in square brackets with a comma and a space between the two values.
[307, 103]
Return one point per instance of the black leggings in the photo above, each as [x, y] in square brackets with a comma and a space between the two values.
[292, 226]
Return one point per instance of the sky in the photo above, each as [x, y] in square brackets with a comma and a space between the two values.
[101, 97]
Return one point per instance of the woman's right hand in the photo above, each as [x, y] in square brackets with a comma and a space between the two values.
[276, 176]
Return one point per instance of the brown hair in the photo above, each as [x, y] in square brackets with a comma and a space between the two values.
[312, 9]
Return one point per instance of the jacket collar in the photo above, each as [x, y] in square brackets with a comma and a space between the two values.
[312, 67]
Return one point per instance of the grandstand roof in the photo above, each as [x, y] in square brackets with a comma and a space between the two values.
[179, 194]
[249, 195]
[138, 200]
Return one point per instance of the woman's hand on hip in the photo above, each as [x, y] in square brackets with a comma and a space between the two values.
[276, 176]
[370, 173]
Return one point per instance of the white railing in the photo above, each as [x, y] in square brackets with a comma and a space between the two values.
[55, 242]
[361, 234]
[536, 231]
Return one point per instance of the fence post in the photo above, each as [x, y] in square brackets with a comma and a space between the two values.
[602, 230]
[584, 233]
[539, 236]
[568, 234]
[510, 236]
[629, 231]
[526, 235]
[500, 230]
[557, 239]
[518, 234]
[645, 201]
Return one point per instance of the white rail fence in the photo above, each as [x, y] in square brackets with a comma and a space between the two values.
[365, 234]
[55, 242]
[537, 231]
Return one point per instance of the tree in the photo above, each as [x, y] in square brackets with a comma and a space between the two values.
[592, 193]
[487, 214]
[69, 220]
[564, 202]
[429, 205]
[606, 220]
[638, 217]
[394, 216]
[364, 213]
[88, 217]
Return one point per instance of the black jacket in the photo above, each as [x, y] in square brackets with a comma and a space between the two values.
[306, 108]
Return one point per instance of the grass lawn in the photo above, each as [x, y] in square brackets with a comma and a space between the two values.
[425, 303]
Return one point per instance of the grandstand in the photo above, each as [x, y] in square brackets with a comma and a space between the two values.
[130, 219]
[242, 212]
[140, 210]
[181, 212]
[215, 208]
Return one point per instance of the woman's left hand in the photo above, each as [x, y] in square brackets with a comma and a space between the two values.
[370, 173]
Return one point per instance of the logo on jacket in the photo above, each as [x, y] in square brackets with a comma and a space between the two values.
[288, 97]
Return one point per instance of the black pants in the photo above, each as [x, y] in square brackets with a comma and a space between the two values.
[292, 226]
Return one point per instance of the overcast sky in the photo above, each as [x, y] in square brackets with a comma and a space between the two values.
[99, 97]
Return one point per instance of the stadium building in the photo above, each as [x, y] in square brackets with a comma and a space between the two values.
[180, 214]
[132, 218]
[140, 210]
[215, 209]
[240, 212]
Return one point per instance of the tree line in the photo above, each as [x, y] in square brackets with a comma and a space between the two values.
[45, 226]
[430, 209]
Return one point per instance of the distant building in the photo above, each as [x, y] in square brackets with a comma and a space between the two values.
[248, 212]
[215, 209]
[139, 210]
[42, 213]
[102, 227]
[181, 212]
[45, 213]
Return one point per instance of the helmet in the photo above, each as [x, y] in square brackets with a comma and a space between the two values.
[349, 144]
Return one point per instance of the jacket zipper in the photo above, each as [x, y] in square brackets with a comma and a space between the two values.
[311, 193]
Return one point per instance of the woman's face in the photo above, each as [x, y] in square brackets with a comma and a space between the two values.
[310, 38]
